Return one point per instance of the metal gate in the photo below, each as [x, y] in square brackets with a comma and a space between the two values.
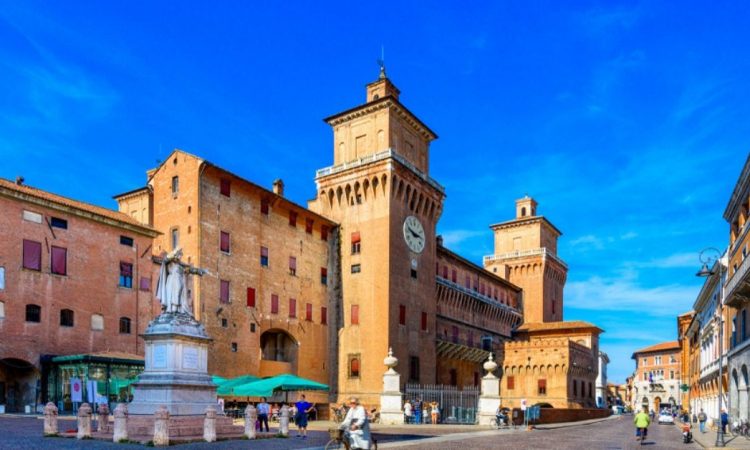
[456, 405]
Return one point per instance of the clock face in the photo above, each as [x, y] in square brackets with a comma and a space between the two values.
[414, 234]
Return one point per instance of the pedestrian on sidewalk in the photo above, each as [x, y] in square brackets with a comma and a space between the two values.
[407, 411]
[418, 411]
[263, 410]
[702, 421]
[724, 420]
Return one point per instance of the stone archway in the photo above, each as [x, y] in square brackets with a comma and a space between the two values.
[278, 353]
[657, 404]
[17, 384]
[742, 388]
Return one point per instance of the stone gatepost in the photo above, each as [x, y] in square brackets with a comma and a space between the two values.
[489, 399]
[50, 419]
[121, 423]
[390, 398]
[103, 422]
[161, 426]
[84, 422]
[284, 421]
[209, 424]
[251, 416]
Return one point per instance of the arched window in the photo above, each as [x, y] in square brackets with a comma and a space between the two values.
[33, 313]
[66, 318]
[125, 325]
[523, 212]
[354, 366]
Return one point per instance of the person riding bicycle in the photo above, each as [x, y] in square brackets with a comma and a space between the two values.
[642, 421]
[356, 426]
[501, 417]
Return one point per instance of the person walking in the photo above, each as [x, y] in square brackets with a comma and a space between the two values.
[641, 421]
[418, 411]
[702, 421]
[264, 409]
[724, 420]
[303, 409]
[434, 412]
[407, 411]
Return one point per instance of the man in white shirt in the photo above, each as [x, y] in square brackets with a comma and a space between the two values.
[356, 426]
[407, 411]
[263, 410]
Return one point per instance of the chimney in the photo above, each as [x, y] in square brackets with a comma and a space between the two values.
[278, 187]
[440, 240]
[19, 180]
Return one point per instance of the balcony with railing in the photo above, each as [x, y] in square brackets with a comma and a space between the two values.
[738, 286]
[524, 253]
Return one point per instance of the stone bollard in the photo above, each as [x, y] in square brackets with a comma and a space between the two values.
[50, 419]
[84, 422]
[251, 416]
[161, 426]
[284, 421]
[103, 418]
[209, 425]
[121, 423]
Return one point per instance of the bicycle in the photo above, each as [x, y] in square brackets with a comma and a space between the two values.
[338, 440]
[642, 432]
[504, 423]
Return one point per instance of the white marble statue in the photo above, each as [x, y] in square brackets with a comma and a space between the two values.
[174, 279]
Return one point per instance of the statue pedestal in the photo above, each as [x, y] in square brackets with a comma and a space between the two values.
[489, 400]
[176, 373]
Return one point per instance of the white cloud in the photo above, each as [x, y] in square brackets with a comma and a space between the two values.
[587, 241]
[677, 260]
[454, 238]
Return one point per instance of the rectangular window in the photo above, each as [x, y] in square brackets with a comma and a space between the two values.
[292, 308]
[414, 369]
[354, 366]
[454, 334]
[226, 187]
[224, 243]
[575, 388]
[33, 313]
[175, 185]
[401, 315]
[224, 291]
[323, 315]
[264, 207]
[251, 297]
[126, 274]
[124, 240]
[67, 318]
[323, 275]
[274, 304]
[467, 283]
[252, 328]
[511, 382]
[454, 275]
[554, 303]
[355, 315]
[292, 265]
[264, 256]
[175, 238]
[470, 339]
[145, 284]
[413, 273]
[292, 219]
[323, 233]
[423, 322]
[356, 268]
[57, 222]
[542, 386]
[445, 272]
[32, 255]
[309, 226]
[32, 216]
[124, 325]
[224, 323]
[2, 278]
[234, 347]
[59, 262]
[356, 244]
[308, 312]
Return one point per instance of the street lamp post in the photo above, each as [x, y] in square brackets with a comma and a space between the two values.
[714, 255]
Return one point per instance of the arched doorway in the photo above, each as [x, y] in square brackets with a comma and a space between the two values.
[18, 384]
[644, 403]
[278, 353]
[657, 403]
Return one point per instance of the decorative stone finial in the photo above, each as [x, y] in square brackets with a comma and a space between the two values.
[490, 365]
[390, 361]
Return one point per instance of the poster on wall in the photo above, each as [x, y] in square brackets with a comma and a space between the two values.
[76, 390]
[91, 391]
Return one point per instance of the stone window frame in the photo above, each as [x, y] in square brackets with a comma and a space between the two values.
[354, 361]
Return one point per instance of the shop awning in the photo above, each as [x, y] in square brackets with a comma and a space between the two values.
[101, 357]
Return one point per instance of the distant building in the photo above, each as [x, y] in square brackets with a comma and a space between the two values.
[602, 387]
[656, 381]
[75, 279]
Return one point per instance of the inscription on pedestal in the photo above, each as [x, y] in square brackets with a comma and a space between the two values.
[189, 358]
[159, 356]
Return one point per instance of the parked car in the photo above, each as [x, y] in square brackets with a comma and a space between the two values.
[665, 416]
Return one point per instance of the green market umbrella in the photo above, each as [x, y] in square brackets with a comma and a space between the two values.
[217, 380]
[227, 387]
[285, 383]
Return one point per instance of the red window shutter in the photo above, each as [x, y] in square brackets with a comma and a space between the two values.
[402, 315]
[308, 226]
[145, 284]
[226, 187]
[251, 297]
[355, 237]
[224, 246]
[454, 276]
[323, 315]
[445, 272]
[292, 218]
[355, 367]
[59, 261]
[324, 233]
[292, 307]
[264, 251]
[308, 312]
[511, 382]
[424, 321]
[468, 281]
[274, 304]
[292, 263]
[355, 315]
[32, 255]
[264, 207]
[224, 291]
[126, 269]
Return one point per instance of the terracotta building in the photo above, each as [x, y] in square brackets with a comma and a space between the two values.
[74, 279]
[683, 338]
[657, 376]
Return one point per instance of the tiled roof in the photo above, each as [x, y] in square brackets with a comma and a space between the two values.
[659, 347]
[568, 325]
[64, 201]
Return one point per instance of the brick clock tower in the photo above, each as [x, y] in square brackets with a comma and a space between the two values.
[526, 255]
[379, 191]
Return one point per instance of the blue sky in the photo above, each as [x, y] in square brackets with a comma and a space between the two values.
[627, 121]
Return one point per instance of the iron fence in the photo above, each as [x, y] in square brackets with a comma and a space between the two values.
[456, 405]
